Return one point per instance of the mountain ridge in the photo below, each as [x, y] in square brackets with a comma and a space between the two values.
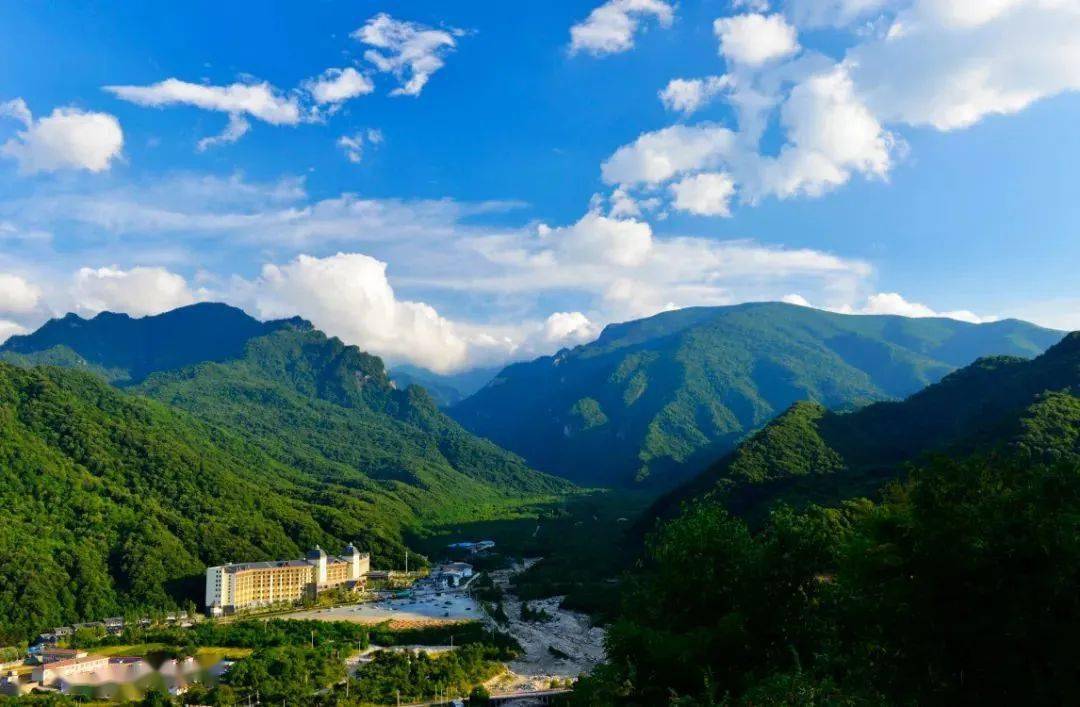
[653, 400]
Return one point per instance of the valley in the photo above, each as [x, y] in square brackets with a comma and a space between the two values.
[285, 440]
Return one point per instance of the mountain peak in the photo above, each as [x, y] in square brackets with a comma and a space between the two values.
[134, 347]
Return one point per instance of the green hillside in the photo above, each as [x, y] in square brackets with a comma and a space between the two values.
[329, 409]
[809, 454]
[652, 401]
[956, 586]
[115, 501]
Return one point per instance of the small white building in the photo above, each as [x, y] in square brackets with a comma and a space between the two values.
[53, 672]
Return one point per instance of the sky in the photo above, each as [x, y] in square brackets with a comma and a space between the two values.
[463, 184]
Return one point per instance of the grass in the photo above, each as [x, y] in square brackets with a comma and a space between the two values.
[205, 655]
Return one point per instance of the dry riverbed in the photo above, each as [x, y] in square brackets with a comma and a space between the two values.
[569, 632]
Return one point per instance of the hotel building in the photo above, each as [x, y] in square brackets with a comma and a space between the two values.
[230, 588]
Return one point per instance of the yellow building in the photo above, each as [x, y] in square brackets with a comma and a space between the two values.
[252, 584]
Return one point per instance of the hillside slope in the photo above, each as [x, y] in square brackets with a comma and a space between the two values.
[652, 401]
[296, 439]
[810, 454]
[112, 502]
[316, 404]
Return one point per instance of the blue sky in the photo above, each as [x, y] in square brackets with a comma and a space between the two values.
[501, 179]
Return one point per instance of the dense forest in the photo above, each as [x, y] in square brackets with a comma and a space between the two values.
[652, 401]
[956, 586]
[115, 503]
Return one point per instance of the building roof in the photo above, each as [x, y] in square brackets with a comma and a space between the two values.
[72, 661]
[311, 557]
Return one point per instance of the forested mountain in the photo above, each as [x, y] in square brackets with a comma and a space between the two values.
[811, 454]
[126, 349]
[113, 500]
[445, 389]
[958, 586]
[330, 409]
[652, 401]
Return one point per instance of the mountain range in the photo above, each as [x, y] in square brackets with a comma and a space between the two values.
[1000, 404]
[653, 401]
[226, 439]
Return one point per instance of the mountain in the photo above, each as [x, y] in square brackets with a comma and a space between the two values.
[113, 502]
[126, 349]
[652, 401]
[117, 498]
[810, 454]
[445, 389]
[955, 584]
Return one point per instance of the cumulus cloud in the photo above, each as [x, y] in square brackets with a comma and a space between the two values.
[338, 85]
[830, 135]
[17, 295]
[660, 155]
[139, 291]
[410, 51]
[610, 28]
[686, 96]
[596, 238]
[894, 303]
[754, 39]
[563, 329]
[68, 138]
[706, 194]
[348, 295]
[950, 64]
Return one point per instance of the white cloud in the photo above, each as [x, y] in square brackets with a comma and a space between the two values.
[596, 238]
[353, 145]
[17, 295]
[658, 156]
[139, 291]
[412, 52]
[754, 39]
[338, 85]
[610, 28]
[949, 64]
[830, 134]
[68, 138]
[563, 329]
[348, 295]
[9, 329]
[236, 128]
[894, 303]
[259, 100]
[706, 194]
[795, 299]
[688, 95]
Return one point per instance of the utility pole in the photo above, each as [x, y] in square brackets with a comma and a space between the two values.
[312, 639]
